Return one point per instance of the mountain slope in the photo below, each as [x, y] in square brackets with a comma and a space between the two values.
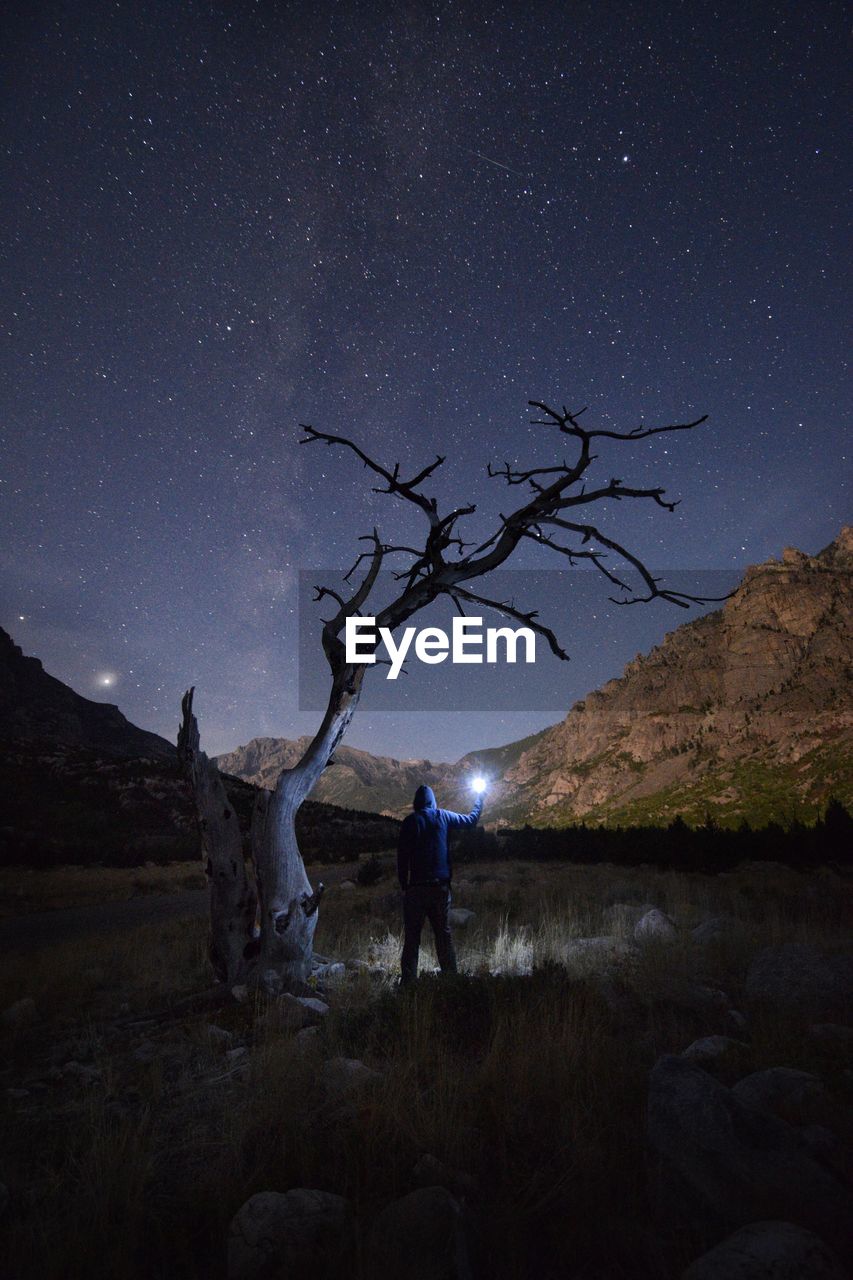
[745, 712]
[36, 707]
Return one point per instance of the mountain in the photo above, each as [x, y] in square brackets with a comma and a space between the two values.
[746, 712]
[36, 707]
[377, 783]
[80, 784]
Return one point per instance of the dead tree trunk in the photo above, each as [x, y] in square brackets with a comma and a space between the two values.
[232, 945]
[288, 903]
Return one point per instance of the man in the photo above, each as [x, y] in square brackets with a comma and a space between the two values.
[423, 865]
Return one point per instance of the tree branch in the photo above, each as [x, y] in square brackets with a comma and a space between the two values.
[507, 607]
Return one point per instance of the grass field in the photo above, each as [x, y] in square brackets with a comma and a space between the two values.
[527, 1073]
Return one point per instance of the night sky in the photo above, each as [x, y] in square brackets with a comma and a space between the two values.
[401, 223]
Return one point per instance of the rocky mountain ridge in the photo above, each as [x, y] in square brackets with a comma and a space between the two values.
[747, 711]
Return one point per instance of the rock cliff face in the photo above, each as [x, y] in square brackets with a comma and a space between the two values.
[747, 711]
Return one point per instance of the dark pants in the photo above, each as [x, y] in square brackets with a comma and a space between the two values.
[426, 902]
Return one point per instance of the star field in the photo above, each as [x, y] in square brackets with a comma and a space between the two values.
[399, 222]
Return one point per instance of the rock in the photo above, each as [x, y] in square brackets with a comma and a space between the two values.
[736, 1020]
[595, 953]
[713, 930]
[346, 886]
[833, 1036]
[826, 1147]
[331, 972]
[655, 926]
[767, 1251]
[218, 1037]
[460, 916]
[799, 976]
[240, 992]
[234, 1054]
[725, 1058]
[146, 1051]
[78, 1071]
[726, 1165]
[795, 1096]
[276, 1233]
[316, 1009]
[290, 1013]
[622, 916]
[420, 1237]
[23, 1013]
[305, 1038]
[429, 1172]
[342, 1076]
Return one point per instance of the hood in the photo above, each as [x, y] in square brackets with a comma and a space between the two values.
[424, 798]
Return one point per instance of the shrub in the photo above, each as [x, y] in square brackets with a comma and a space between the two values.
[370, 871]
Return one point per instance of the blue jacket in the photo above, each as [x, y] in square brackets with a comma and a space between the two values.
[422, 853]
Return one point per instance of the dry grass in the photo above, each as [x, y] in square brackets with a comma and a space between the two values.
[25, 889]
[532, 1082]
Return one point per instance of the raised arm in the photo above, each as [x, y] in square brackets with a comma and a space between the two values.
[465, 819]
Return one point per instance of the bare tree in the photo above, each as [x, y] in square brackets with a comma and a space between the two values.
[444, 564]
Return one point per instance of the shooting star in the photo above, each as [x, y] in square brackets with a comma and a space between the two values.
[496, 163]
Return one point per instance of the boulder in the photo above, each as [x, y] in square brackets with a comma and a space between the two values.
[592, 955]
[421, 1236]
[655, 926]
[343, 1076]
[430, 1172]
[315, 1009]
[834, 1038]
[801, 977]
[725, 1058]
[460, 916]
[713, 930]
[622, 916]
[291, 1013]
[218, 1037]
[768, 1251]
[306, 1038]
[725, 1164]
[795, 1096]
[276, 1233]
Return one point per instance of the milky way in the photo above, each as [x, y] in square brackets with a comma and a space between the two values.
[401, 223]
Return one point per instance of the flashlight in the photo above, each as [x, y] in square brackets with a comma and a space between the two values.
[478, 785]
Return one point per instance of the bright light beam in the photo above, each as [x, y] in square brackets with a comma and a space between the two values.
[478, 785]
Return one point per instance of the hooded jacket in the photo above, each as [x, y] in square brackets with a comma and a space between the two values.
[422, 853]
